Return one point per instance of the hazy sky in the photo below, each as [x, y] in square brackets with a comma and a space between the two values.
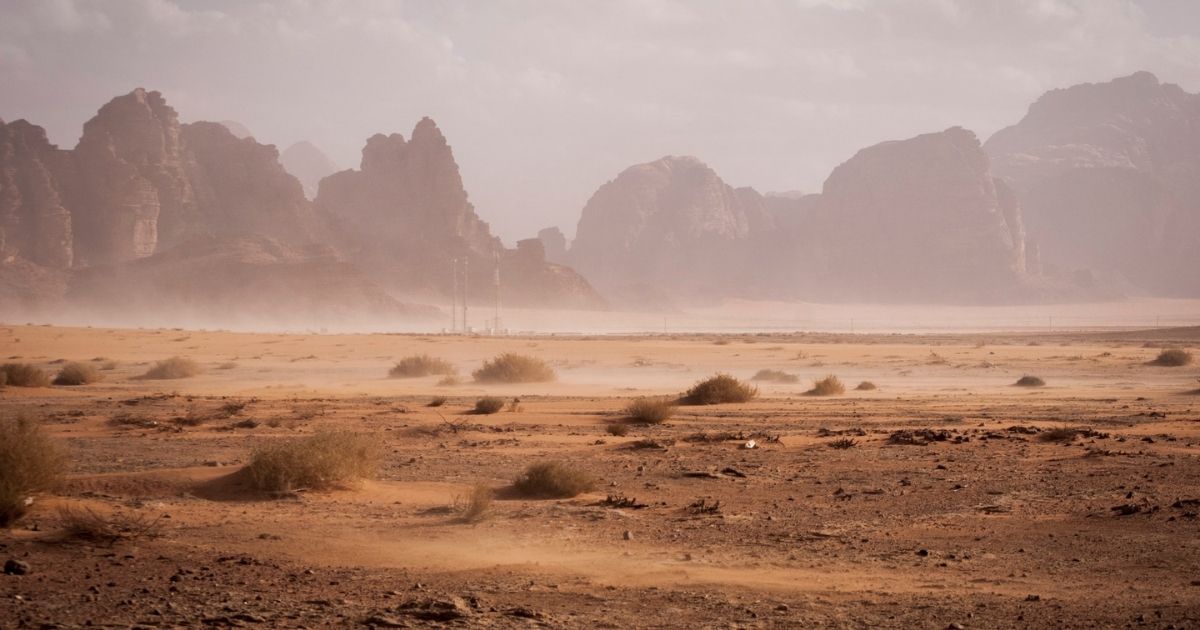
[544, 101]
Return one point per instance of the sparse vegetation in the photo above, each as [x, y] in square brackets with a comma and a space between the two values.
[489, 405]
[1030, 381]
[721, 388]
[866, 386]
[77, 374]
[449, 381]
[29, 462]
[775, 376]
[24, 375]
[1172, 357]
[421, 365]
[436, 401]
[87, 525]
[552, 480]
[172, 368]
[649, 410]
[473, 506]
[828, 386]
[619, 429]
[1061, 434]
[843, 443]
[514, 368]
[325, 459]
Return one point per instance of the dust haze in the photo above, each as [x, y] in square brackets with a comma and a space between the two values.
[850, 313]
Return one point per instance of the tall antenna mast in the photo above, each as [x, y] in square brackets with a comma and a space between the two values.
[454, 295]
[496, 315]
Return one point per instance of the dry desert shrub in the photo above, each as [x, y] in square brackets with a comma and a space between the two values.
[87, 525]
[473, 506]
[449, 381]
[29, 462]
[866, 386]
[1030, 381]
[617, 429]
[1172, 357]
[1061, 434]
[828, 386]
[325, 459]
[24, 375]
[172, 368]
[77, 374]
[552, 480]
[843, 443]
[647, 410]
[721, 388]
[514, 368]
[436, 401]
[421, 365]
[489, 405]
[776, 376]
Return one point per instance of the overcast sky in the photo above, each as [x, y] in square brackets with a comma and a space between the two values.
[545, 101]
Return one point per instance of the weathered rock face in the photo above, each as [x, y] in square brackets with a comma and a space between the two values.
[554, 243]
[240, 187]
[131, 195]
[308, 164]
[405, 215]
[1109, 178]
[34, 224]
[920, 219]
[671, 225]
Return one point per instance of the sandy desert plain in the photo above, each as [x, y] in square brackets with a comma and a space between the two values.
[954, 502]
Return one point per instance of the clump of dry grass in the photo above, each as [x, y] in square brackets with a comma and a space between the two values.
[436, 401]
[172, 368]
[473, 506]
[325, 459]
[24, 375]
[1172, 357]
[843, 443]
[449, 381]
[77, 374]
[489, 405]
[553, 480]
[721, 388]
[29, 462]
[866, 386]
[87, 525]
[1030, 381]
[421, 365]
[828, 386]
[1061, 434]
[647, 410]
[618, 429]
[514, 368]
[775, 376]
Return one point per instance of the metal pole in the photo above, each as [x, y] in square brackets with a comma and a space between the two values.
[454, 295]
[466, 276]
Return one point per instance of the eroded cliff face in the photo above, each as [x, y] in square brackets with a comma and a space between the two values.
[921, 219]
[405, 215]
[34, 223]
[671, 225]
[1108, 175]
[308, 164]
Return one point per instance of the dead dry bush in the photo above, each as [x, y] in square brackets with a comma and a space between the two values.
[866, 386]
[421, 365]
[87, 525]
[775, 376]
[721, 388]
[30, 462]
[514, 368]
[828, 386]
[24, 375]
[1172, 357]
[1061, 434]
[647, 410]
[436, 401]
[489, 405]
[172, 368]
[843, 443]
[472, 507]
[617, 429]
[77, 374]
[1030, 381]
[325, 459]
[552, 480]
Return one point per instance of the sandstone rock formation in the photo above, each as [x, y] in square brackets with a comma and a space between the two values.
[554, 243]
[1109, 177]
[670, 226]
[34, 224]
[237, 129]
[308, 164]
[404, 215]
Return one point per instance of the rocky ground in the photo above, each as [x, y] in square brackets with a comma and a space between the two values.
[954, 500]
